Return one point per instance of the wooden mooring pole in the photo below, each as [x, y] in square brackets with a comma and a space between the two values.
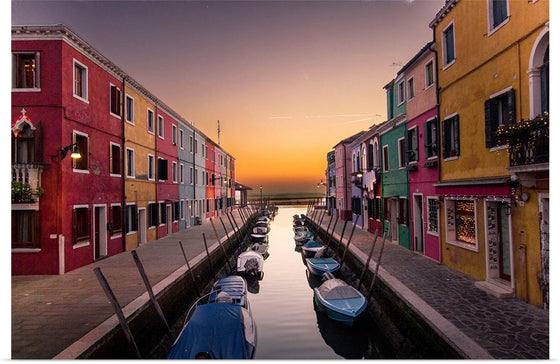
[122, 320]
[208, 255]
[366, 265]
[190, 270]
[221, 246]
[347, 243]
[151, 292]
[377, 266]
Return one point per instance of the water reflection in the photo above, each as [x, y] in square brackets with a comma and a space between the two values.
[253, 285]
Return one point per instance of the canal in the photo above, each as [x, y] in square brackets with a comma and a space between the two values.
[282, 305]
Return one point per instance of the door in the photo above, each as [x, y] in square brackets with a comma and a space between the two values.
[96, 254]
[169, 219]
[418, 225]
[394, 220]
[504, 257]
[99, 232]
[142, 226]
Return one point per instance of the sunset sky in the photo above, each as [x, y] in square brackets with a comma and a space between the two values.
[287, 80]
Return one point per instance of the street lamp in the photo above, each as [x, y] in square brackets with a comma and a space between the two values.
[75, 151]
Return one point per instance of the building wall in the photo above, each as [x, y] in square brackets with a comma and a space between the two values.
[210, 188]
[186, 189]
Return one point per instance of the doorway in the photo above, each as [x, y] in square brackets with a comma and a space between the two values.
[100, 232]
[418, 224]
[499, 240]
[394, 220]
[142, 226]
[169, 217]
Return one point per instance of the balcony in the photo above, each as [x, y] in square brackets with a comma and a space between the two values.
[26, 186]
[528, 148]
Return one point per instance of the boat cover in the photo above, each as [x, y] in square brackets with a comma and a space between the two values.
[337, 289]
[247, 261]
[224, 330]
[312, 244]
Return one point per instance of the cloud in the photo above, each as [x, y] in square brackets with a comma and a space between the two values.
[280, 117]
[358, 120]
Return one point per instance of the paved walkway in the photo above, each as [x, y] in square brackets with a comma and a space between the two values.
[49, 313]
[476, 321]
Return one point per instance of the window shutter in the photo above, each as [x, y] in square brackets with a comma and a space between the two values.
[126, 219]
[435, 143]
[407, 146]
[134, 218]
[445, 139]
[74, 226]
[511, 108]
[491, 120]
[457, 136]
[111, 222]
[427, 142]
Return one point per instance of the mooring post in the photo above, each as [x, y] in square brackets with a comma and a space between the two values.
[377, 266]
[150, 291]
[243, 220]
[366, 265]
[225, 229]
[122, 320]
[330, 236]
[221, 246]
[208, 255]
[343, 230]
[190, 270]
[321, 220]
[352, 231]
[235, 233]
[326, 235]
[347, 244]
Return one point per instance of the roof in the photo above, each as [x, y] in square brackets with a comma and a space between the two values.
[416, 57]
[350, 139]
[239, 186]
[449, 4]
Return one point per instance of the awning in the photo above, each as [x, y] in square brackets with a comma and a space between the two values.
[480, 187]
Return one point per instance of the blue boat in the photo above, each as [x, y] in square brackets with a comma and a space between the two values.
[310, 248]
[341, 301]
[259, 238]
[319, 266]
[217, 331]
[232, 288]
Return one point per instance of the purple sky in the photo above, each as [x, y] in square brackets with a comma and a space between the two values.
[287, 80]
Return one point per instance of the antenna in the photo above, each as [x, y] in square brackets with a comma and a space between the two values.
[395, 64]
[219, 132]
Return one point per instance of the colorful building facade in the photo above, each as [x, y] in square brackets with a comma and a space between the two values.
[343, 173]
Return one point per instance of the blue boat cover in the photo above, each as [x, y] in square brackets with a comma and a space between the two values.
[313, 244]
[216, 328]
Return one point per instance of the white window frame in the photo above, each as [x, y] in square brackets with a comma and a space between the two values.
[174, 132]
[174, 171]
[399, 101]
[110, 112]
[160, 130]
[426, 86]
[31, 89]
[111, 159]
[125, 228]
[444, 46]
[182, 208]
[74, 133]
[181, 173]
[126, 98]
[428, 231]
[454, 242]
[119, 235]
[86, 83]
[441, 142]
[402, 164]
[191, 143]
[128, 162]
[410, 92]
[148, 111]
[181, 139]
[385, 163]
[410, 162]
[153, 165]
[84, 243]
[206, 151]
[490, 12]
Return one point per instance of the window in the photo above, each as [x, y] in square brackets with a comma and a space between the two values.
[174, 135]
[387, 209]
[131, 218]
[160, 126]
[162, 212]
[356, 205]
[429, 74]
[378, 208]
[129, 109]
[402, 152]
[151, 167]
[25, 70]
[497, 14]
[182, 212]
[181, 139]
[498, 111]
[433, 220]
[411, 88]
[176, 211]
[403, 211]
[448, 42]
[115, 100]
[162, 169]
[115, 219]
[206, 151]
[400, 93]
[195, 146]
[213, 156]
[81, 226]
[207, 205]
[461, 223]
[150, 121]
[174, 171]
[130, 163]
[191, 143]
[181, 173]
[196, 176]
[412, 144]
[25, 229]
[385, 158]
[152, 214]
[191, 175]
[450, 137]
[82, 140]
[431, 138]
[25, 145]
[115, 159]
[80, 81]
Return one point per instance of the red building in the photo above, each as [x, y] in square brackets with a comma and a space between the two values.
[60, 205]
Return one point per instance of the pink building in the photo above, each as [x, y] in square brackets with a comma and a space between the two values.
[343, 175]
[422, 142]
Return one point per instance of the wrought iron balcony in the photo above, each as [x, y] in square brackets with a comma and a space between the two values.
[528, 141]
[26, 183]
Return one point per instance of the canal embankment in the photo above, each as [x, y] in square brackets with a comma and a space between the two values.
[420, 301]
[69, 316]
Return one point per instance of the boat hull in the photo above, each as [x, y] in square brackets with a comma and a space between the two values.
[345, 319]
[322, 265]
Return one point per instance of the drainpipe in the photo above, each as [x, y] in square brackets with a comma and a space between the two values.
[439, 134]
[123, 209]
[156, 158]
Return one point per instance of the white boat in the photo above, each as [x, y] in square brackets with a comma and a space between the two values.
[250, 263]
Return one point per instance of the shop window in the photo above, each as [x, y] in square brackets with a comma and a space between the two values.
[461, 223]
[433, 220]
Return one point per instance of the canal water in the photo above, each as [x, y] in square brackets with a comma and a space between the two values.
[289, 326]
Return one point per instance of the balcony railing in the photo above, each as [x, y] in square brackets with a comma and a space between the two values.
[528, 141]
[26, 183]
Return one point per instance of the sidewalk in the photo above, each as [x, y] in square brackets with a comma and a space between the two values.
[480, 325]
[50, 313]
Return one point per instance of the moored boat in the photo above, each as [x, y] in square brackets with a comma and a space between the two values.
[341, 301]
[303, 238]
[250, 263]
[260, 248]
[320, 266]
[260, 230]
[310, 248]
[259, 238]
[234, 286]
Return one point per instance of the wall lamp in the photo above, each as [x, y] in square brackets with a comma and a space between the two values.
[320, 184]
[75, 151]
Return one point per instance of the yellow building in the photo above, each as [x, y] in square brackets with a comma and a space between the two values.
[140, 163]
[492, 72]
